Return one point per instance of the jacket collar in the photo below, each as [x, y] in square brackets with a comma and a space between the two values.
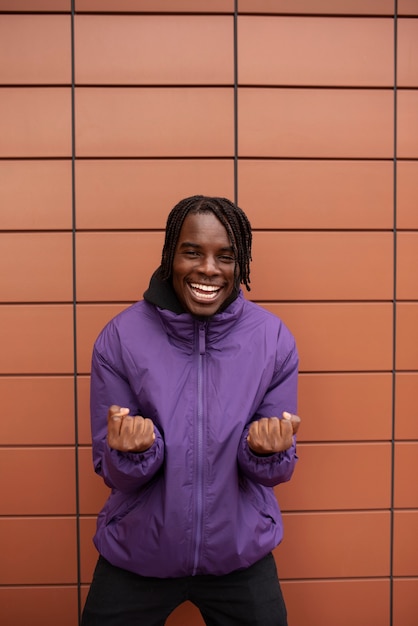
[181, 326]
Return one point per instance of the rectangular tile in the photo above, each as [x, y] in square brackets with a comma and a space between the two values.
[284, 50]
[322, 194]
[315, 123]
[405, 601]
[322, 266]
[156, 6]
[51, 605]
[43, 481]
[335, 545]
[126, 193]
[407, 124]
[38, 551]
[328, 7]
[407, 266]
[154, 50]
[139, 122]
[406, 405]
[330, 404]
[407, 336]
[407, 52]
[116, 266]
[405, 472]
[35, 122]
[42, 409]
[407, 7]
[35, 195]
[339, 476]
[323, 601]
[36, 339]
[26, 42]
[407, 194]
[58, 6]
[39, 267]
[405, 545]
[340, 336]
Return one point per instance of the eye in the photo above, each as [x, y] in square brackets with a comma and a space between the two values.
[227, 258]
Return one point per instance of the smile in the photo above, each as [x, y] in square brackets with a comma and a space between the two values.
[207, 292]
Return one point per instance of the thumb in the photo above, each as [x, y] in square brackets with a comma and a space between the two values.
[116, 412]
[294, 420]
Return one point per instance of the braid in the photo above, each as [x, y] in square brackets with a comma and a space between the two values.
[231, 217]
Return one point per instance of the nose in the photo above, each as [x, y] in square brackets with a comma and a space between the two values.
[209, 265]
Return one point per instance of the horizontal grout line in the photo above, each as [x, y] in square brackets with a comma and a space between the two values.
[138, 230]
[260, 301]
[41, 586]
[46, 446]
[231, 13]
[329, 579]
[301, 443]
[352, 442]
[333, 579]
[293, 513]
[206, 86]
[83, 374]
[203, 14]
[256, 158]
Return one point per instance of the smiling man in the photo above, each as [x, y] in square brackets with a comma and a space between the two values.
[193, 402]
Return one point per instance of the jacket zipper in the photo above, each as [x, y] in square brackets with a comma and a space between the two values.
[199, 451]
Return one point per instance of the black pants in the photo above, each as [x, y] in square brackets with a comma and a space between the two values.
[250, 597]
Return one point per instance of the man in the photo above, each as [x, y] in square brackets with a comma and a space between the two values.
[193, 395]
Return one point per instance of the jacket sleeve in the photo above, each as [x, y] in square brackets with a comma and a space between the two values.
[125, 471]
[281, 396]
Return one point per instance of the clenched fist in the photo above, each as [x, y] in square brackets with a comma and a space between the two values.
[129, 433]
[271, 434]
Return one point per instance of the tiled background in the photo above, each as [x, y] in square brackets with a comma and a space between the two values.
[306, 112]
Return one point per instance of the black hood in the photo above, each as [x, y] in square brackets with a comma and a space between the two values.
[161, 293]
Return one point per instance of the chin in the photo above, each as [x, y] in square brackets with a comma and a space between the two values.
[204, 311]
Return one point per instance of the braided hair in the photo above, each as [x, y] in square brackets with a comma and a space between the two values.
[231, 217]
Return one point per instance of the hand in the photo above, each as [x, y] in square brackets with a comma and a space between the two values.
[271, 434]
[128, 433]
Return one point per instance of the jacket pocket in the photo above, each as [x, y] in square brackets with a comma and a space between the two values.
[123, 504]
[262, 499]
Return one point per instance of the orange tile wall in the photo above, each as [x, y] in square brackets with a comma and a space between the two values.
[306, 114]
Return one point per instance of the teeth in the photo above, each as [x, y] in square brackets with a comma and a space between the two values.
[204, 287]
[210, 291]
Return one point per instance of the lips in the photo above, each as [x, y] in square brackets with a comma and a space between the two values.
[205, 292]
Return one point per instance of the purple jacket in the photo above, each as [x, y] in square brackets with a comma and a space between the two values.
[198, 501]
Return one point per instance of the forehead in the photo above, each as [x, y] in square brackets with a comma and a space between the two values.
[203, 229]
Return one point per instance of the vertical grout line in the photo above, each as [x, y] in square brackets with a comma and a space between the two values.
[395, 138]
[73, 211]
[236, 101]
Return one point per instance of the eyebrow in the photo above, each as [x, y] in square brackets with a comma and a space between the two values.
[190, 244]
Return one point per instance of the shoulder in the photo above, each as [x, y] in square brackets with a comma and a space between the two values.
[263, 315]
[126, 321]
[270, 325]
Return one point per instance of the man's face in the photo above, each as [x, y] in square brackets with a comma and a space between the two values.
[203, 265]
